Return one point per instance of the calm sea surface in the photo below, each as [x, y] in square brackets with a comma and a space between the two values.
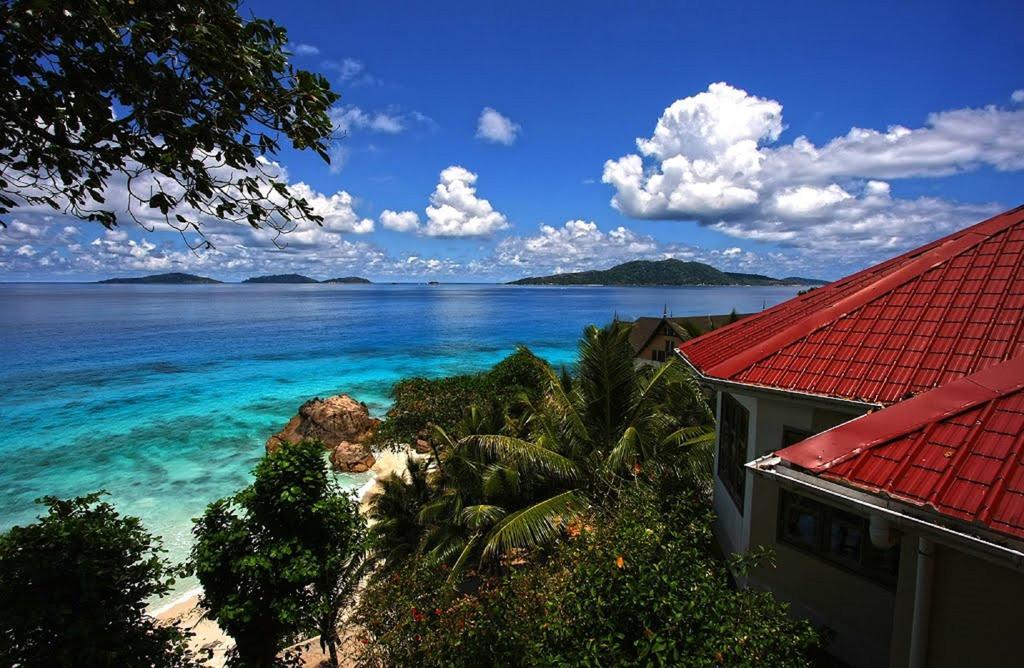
[164, 395]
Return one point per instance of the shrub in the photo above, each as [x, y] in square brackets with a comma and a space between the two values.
[422, 402]
[74, 587]
[639, 584]
[279, 559]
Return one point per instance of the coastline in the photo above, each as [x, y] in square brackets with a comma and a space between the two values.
[183, 611]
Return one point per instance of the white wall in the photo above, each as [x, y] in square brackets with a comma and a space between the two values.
[768, 417]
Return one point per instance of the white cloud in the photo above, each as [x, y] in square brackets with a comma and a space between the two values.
[580, 245]
[456, 211]
[304, 50]
[350, 117]
[351, 71]
[400, 221]
[713, 159]
[496, 128]
[1018, 96]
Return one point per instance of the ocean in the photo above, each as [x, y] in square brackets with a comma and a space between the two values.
[164, 395]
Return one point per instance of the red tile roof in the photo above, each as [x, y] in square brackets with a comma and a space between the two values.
[899, 328]
[958, 450]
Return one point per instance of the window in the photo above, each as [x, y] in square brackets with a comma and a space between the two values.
[791, 436]
[732, 448]
[658, 355]
[837, 536]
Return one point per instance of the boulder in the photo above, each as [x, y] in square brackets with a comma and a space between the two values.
[336, 421]
[352, 457]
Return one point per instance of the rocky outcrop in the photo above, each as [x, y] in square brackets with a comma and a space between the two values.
[352, 457]
[342, 423]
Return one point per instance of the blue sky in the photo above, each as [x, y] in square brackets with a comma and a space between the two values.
[746, 115]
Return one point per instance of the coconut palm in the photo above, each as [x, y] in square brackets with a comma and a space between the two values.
[497, 492]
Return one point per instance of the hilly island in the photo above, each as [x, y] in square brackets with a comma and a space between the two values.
[662, 272]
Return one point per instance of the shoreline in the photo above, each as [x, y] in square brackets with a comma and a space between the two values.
[184, 611]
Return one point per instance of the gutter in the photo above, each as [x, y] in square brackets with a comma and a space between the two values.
[859, 406]
[900, 514]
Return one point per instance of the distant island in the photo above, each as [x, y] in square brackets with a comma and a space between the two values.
[663, 272]
[348, 279]
[172, 279]
[281, 278]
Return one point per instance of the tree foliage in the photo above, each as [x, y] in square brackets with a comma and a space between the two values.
[501, 487]
[171, 105]
[637, 583]
[282, 557]
[421, 403]
[74, 587]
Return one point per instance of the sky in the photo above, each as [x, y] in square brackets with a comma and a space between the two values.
[487, 141]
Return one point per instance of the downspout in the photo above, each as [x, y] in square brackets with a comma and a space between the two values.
[922, 603]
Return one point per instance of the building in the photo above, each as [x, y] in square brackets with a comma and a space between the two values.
[655, 339]
[870, 432]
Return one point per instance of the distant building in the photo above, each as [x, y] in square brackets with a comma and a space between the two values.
[871, 432]
[655, 339]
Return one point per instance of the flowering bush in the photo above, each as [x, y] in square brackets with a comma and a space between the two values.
[638, 584]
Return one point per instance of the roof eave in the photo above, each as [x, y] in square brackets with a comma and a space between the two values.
[979, 541]
[860, 406]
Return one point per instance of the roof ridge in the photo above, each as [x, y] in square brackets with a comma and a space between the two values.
[941, 251]
[821, 452]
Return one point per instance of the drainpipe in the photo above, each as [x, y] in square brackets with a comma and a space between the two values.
[922, 603]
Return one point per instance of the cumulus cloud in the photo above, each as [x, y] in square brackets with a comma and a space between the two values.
[492, 126]
[1018, 96]
[456, 211]
[400, 221]
[714, 158]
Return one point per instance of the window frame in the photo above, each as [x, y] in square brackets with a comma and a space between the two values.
[735, 437]
[868, 564]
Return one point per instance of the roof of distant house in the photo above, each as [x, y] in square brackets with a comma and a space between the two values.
[902, 327]
[958, 450]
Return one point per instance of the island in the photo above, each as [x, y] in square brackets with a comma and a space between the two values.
[281, 278]
[662, 272]
[348, 279]
[175, 278]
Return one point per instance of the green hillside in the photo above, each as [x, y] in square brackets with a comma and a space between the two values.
[172, 279]
[661, 272]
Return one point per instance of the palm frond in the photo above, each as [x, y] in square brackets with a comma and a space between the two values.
[499, 480]
[480, 515]
[625, 451]
[521, 454]
[460, 564]
[533, 526]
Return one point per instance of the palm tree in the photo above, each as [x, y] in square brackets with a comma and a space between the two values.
[395, 532]
[496, 491]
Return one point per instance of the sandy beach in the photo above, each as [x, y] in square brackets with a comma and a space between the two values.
[208, 636]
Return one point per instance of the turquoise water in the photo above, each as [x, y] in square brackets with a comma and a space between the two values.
[164, 395]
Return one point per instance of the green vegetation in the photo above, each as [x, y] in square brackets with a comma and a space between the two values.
[172, 278]
[662, 272]
[74, 587]
[347, 279]
[635, 582]
[504, 483]
[281, 278]
[575, 533]
[419, 404]
[280, 559]
[182, 101]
